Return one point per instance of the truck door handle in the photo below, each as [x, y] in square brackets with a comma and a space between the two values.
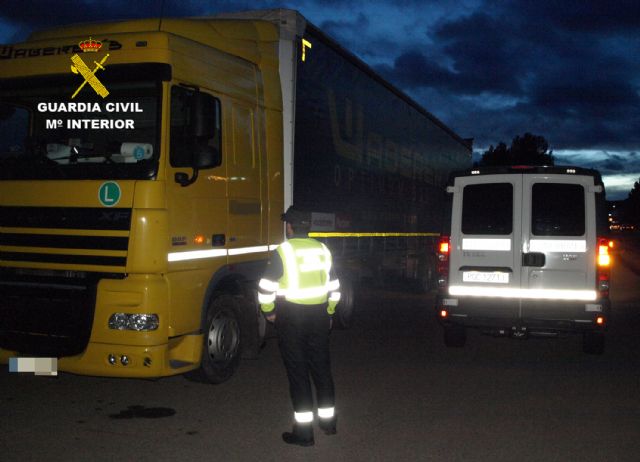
[533, 259]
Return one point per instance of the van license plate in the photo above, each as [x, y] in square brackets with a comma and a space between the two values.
[493, 277]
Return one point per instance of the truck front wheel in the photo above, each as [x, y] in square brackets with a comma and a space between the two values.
[221, 346]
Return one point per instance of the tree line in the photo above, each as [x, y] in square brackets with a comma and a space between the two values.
[530, 149]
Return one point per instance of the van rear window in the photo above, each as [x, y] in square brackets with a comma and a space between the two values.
[487, 209]
[557, 209]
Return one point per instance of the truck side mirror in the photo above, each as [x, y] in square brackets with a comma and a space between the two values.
[205, 120]
[203, 129]
[204, 114]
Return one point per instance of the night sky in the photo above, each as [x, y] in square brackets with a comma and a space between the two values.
[568, 70]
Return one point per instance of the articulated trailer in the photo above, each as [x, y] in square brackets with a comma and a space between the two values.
[144, 166]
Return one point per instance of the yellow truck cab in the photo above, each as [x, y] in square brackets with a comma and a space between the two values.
[144, 166]
[152, 203]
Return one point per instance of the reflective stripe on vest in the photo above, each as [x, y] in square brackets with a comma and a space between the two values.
[307, 264]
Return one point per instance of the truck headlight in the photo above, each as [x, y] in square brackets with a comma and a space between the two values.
[134, 321]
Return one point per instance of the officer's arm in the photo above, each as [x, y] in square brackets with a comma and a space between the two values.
[268, 285]
[334, 292]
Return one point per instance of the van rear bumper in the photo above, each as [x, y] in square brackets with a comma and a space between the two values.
[543, 316]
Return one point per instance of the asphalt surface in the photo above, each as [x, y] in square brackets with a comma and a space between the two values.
[401, 396]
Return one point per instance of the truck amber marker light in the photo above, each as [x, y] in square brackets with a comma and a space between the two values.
[305, 44]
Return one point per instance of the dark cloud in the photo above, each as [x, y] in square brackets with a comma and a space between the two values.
[591, 16]
[35, 14]
[615, 163]
[489, 69]
[555, 74]
[481, 57]
[339, 29]
[42, 13]
[590, 98]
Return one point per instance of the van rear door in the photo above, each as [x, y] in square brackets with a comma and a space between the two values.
[529, 237]
[558, 237]
[486, 241]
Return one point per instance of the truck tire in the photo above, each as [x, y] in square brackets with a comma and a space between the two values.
[252, 325]
[343, 317]
[593, 343]
[221, 346]
[455, 336]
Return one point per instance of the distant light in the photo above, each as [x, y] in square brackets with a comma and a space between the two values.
[571, 170]
[475, 172]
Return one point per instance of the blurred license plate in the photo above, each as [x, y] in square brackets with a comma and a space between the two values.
[492, 277]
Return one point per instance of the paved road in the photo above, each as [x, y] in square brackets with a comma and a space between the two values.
[402, 396]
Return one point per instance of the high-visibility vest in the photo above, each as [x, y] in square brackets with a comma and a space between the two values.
[306, 264]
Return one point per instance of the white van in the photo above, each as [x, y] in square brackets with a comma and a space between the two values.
[525, 254]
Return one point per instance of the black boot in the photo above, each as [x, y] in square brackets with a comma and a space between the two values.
[302, 435]
[329, 426]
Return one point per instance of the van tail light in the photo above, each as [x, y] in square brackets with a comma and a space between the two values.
[603, 267]
[604, 258]
[443, 261]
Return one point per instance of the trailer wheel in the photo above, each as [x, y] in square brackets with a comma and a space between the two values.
[593, 343]
[221, 345]
[427, 281]
[345, 308]
[455, 336]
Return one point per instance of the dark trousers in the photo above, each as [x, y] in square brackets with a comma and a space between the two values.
[303, 337]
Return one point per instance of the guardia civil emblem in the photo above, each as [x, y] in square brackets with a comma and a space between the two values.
[89, 76]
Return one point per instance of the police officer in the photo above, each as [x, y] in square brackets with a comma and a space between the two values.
[299, 292]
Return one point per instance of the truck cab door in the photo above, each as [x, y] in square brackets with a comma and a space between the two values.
[244, 179]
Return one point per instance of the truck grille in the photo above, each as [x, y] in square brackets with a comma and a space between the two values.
[46, 312]
[65, 237]
[52, 259]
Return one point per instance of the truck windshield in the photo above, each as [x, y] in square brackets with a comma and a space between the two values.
[45, 134]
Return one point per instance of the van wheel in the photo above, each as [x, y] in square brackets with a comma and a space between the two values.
[593, 343]
[455, 336]
[221, 345]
